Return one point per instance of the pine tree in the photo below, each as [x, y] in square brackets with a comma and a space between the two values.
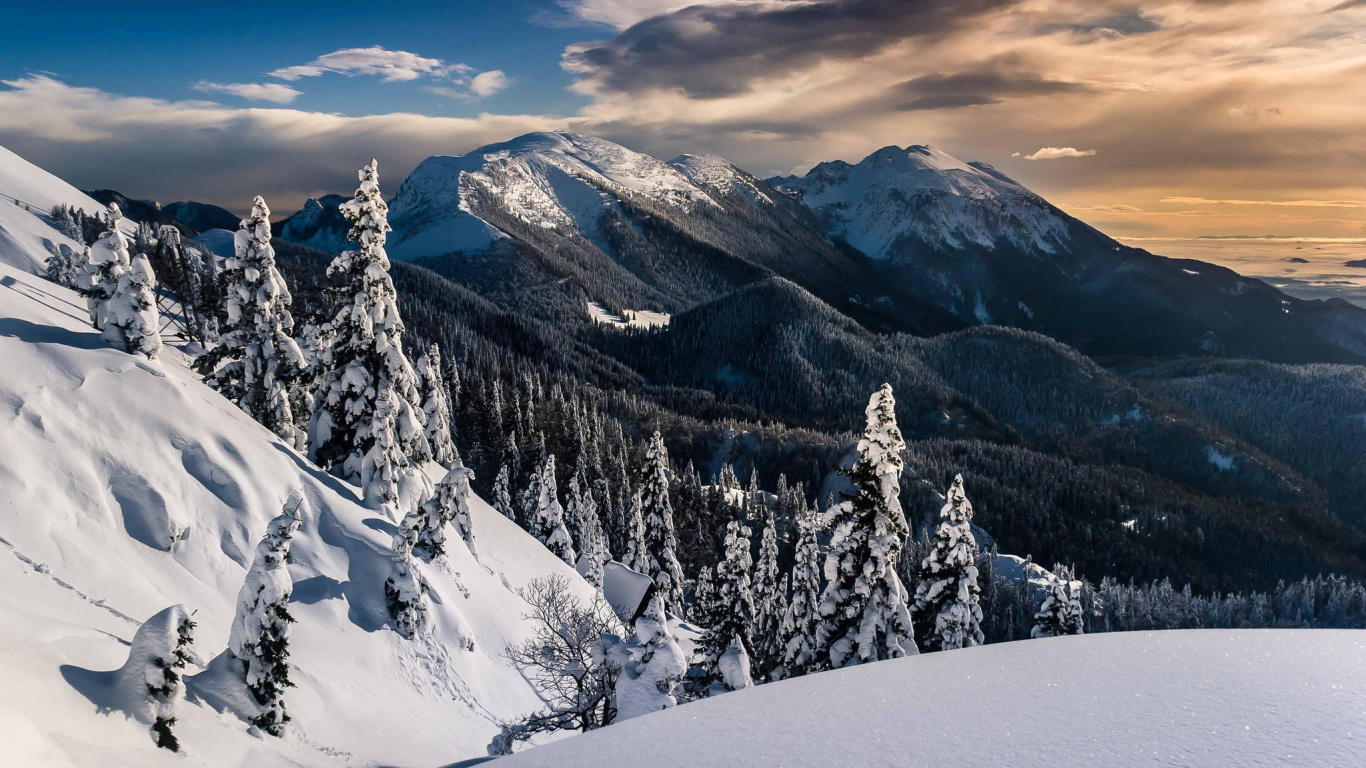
[65, 267]
[405, 591]
[502, 494]
[108, 261]
[545, 515]
[658, 518]
[449, 505]
[863, 608]
[384, 466]
[800, 621]
[585, 528]
[366, 363]
[654, 668]
[1061, 612]
[947, 595]
[635, 550]
[732, 605]
[132, 320]
[259, 639]
[769, 603]
[436, 408]
[257, 364]
[704, 597]
[152, 676]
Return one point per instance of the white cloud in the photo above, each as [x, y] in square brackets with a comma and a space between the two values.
[391, 66]
[489, 83]
[1279, 203]
[272, 92]
[1055, 153]
[624, 13]
[96, 139]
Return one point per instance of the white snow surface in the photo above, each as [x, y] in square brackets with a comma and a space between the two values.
[25, 237]
[923, 191]
[1180, 698]
[717, 173]
[127, 486]
[549, 180]
[629, 318]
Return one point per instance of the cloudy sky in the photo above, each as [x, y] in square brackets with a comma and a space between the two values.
[1165, 119]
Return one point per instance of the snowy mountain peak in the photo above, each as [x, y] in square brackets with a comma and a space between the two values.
[717, 174]
[562, 181]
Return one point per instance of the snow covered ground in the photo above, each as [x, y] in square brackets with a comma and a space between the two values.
[1185, 698]
[629, 318]
[127, 486]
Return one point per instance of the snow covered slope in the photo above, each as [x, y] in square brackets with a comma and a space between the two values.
[1185, 698]
[548, 180]
[128, 486]
[27, 193]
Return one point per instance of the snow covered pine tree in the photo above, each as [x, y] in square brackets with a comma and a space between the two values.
[65, 266]
[502, 493]
[636, 552]
[150, 683]
[405, 591]
[131, 318]
[658, 518]
[109, 259]
[366, 363]
[581, 514]
[769, 600]
[545, 516]
[436, 408]
[947, 596]
[450, 504]
[257, 363]
[259, 639]
[723, 648]
[654, 667]
[863, 609]
[1061, 612]
[803, 616]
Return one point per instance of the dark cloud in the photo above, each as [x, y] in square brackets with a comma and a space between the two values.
[986, 86]
[1125, 24]
[1345, 5]
[717, 51]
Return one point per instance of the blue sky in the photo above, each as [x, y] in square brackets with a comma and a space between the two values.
[163, 49]
[1179, 118]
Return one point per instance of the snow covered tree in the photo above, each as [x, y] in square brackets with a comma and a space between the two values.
[502, 493]
[802, 617]
[769, 601]
[436, 408]
[863, 608]
[654, 667]
[449, 505]
[64, 221]
[150, 682]
[658, 518]
[131, 317]
[545, 515]
[259, 638]
[366, 363]
[65, 267]
[1061, 612]
[635, 551]
[704, 597]
[384, 465]
[405, 591]
[585, 528]
[731, 612]
[109, 259]
[947, 594]
[257, 364]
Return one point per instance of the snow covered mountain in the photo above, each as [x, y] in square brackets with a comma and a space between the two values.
[319, 224]
[127, 486]
[1193, 697]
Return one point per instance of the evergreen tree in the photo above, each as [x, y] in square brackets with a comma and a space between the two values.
[502, 494]
[257, 364]
[259, 639]
[436, 408]
[1061, 612]
[545, 515]
[585, 529]
[653, 668]
[108, 261]
[65, 267]
[704, 597]
[366, 364]
[449, 505]
[132, 320]
[405, 591]
[635, 550]
[384, 466]
[731, 612]
[152, 676]
[800, 621]
[658, 518]
[863, 608]
[947, 594]
[769, 600]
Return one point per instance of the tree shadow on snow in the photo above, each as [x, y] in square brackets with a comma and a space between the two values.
[96, 686]
[33, 333]
[45, 297]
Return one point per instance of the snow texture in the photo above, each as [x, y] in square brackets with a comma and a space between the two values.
[654, 668]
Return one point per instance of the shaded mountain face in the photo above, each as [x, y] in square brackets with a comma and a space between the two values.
[202, 217]
[319, 225]
[967, 239]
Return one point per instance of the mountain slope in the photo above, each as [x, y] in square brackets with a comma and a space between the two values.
[1072, 701]
[968, 239]
[29, 194]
